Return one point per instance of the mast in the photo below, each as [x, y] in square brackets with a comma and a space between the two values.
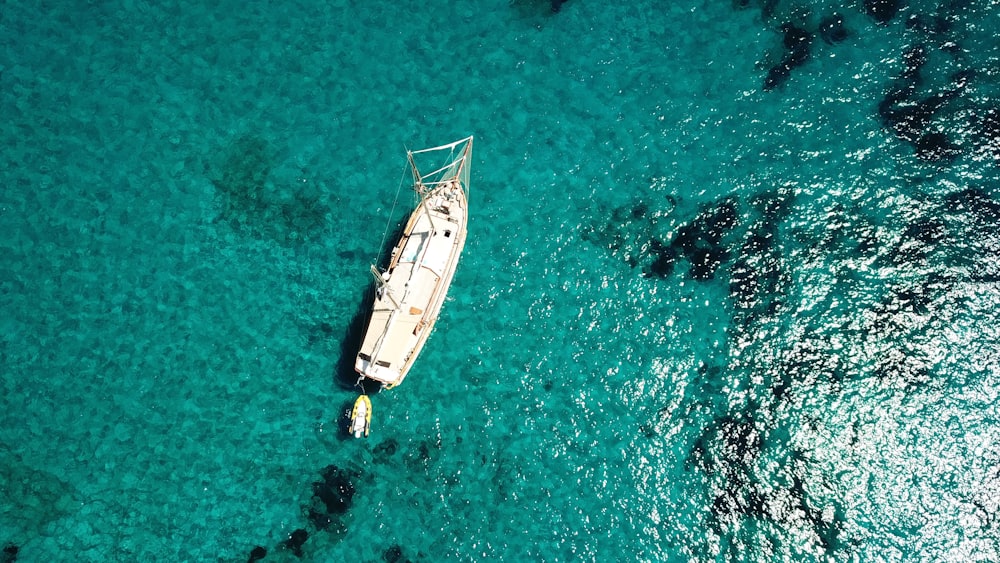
[420, 188]
[383, 287]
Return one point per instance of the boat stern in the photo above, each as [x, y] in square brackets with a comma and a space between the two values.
[375, 370]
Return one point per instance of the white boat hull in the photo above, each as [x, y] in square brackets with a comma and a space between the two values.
[412, 290]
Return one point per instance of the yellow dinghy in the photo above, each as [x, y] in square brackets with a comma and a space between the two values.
[361, 417]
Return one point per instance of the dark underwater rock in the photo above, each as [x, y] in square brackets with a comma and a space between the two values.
[741, 498]
[727, 449]
[706, 261]
[902, 370]
[253, 204]
[663, 264]
[913, 300]
[988, 132]
[975, 202]
[882, 11]
[701, 241]
[908, 119]
[746, 494]
[619, 234]
[9, 553]
[797, 42]
[320, 332]
[385, 450]
[256, 554]
[556, 5]
[332, 497]
[930, 25]
[687, 238]
[914, 60]
[827, 532]
[755, 277]
[936, 147]
[927, 231]
[768, 8]
[776, 76]
[991, 124]
[719, 221]
[743, 285]
[729, 443]
[394, 555]
[335, 490]
[831, 28]
[421, 455]
[319, 518]
[296, 540]
[757, 243]
[918, 239]
[774, 206]
[742, 440]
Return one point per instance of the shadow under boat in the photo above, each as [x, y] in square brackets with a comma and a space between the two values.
[344, 375]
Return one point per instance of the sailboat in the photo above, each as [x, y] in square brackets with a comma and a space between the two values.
[409, 293]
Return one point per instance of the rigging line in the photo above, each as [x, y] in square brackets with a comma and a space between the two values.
[385, 231]
[448, 146]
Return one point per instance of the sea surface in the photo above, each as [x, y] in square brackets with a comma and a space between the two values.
[731, 290]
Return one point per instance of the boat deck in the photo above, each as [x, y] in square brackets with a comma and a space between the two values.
[407, 305]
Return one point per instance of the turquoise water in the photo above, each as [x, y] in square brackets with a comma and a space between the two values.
[695, 320]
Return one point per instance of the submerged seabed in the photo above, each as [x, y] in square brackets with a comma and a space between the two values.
[730, 291]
